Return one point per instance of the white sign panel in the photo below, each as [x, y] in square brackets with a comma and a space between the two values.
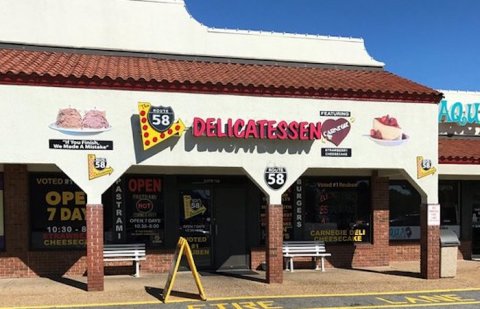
[433, 215]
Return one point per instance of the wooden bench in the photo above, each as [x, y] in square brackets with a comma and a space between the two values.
[125, 252]
[314, 249]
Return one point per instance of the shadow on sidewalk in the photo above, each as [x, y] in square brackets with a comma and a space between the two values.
[68, 281]
[244, 275]
[157, 293]
[400, 273]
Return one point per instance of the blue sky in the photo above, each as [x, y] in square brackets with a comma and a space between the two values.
[433, 42]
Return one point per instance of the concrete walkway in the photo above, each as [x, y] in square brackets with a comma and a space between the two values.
[69, 291]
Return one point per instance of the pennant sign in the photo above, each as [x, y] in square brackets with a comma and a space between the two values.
[157, 124]
[424, 167]
[192, 207]
[97, 167]
[182, 248]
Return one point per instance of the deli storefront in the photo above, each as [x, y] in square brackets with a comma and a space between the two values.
[234, 148]
[217, 191]
[335, 210]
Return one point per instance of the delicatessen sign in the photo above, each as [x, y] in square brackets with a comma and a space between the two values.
[259, 129]
[332, 130]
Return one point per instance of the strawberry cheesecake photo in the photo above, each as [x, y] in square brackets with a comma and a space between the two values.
[386, 131]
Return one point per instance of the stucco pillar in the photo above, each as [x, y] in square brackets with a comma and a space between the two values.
[274, 243]
[429, 246]
[95, 280]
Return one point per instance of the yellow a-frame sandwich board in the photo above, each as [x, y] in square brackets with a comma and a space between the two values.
[182, 248]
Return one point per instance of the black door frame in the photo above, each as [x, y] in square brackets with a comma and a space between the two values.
[214, 188]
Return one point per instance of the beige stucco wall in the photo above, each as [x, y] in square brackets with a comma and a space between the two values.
[30, 111]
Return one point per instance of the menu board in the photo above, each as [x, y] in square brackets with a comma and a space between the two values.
[287, 203]
[57, 212]
[144, 209]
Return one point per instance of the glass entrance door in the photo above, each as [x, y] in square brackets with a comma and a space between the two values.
[230, 229]
[471, 208]
[196, 224]
[476, 230]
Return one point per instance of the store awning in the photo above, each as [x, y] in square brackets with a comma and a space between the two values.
[102, 69]
[459, 151]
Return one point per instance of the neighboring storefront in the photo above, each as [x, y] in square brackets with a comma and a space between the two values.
[458, 187]
[459, 155]
[235, 149]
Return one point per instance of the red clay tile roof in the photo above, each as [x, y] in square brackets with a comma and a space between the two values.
[76, 69]
[458, 151]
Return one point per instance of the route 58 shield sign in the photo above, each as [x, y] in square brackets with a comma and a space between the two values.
[161, 118]
[275, 177]
[100, 163]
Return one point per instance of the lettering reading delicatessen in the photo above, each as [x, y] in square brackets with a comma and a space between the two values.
[260, 129]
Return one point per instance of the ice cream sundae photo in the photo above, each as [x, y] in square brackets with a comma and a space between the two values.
[387, 131]
[70, 120]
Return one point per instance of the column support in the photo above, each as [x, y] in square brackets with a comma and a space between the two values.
[381, 216]
[274, 243]
[429, 245]
[95, 278]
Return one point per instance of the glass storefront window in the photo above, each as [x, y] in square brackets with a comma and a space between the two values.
[404, 211]
[337, 209]
[57, 212]
[405, 204]
[449, 199]
[134, 211]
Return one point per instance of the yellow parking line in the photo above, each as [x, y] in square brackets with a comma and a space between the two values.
[399, 306]
[274, 297]
[88, 305]
[344, 294]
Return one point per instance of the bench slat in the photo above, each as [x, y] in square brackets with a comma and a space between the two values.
[125, 259]
[308, 254]
[119, 254]
[142, 252]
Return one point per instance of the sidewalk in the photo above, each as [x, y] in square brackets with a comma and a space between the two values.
[402, 276]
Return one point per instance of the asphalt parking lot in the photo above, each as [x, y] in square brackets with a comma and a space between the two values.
[421, 299]
[396, 286]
